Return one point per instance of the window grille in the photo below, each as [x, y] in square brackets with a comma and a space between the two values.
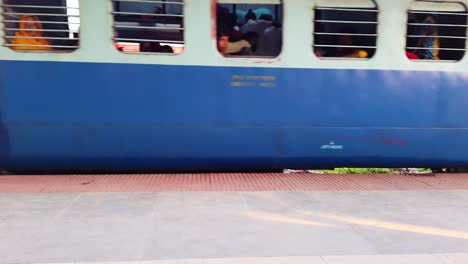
[47, 26]
[149, 26]
[346, 31]
[436, 31]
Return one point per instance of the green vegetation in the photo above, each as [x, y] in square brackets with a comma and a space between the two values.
[370, 170]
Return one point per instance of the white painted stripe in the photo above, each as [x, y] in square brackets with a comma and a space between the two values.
[97, 46]
[366, 259]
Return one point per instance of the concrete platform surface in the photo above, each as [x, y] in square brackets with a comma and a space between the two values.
[381, 259]
[427, 226]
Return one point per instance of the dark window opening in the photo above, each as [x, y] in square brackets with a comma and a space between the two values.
[349, 32]
[149, 26]
[249, 30]
[436, 35]
[46, 25]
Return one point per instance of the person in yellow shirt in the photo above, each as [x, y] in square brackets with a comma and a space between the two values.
[351, 52]
[29, 36]
[245, 47]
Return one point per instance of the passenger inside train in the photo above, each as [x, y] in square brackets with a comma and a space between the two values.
[50, 25]
[254, 30]
[222, 41]
[437, 35]
[149, 27]
[346, 46]
[29, 36]
[430, 39]
[247, 46]
[345, 32]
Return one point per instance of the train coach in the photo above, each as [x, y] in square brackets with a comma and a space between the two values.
[232, 84]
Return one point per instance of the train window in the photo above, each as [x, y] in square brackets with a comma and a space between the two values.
[149, 26]
[46, 25]
[346, 29]
[436, 31]
[247, 28]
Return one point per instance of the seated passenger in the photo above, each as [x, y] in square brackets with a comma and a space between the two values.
[273, 39]
[261, 12]
[351, 52]
[250, 16]
[222, 42]
[150, 47]
[167, 49]
[265, 17]
[29, 36]
[234, 30]
[259, 27]
[245, 47]
[431, 40]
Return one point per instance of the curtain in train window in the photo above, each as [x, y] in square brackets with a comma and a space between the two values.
[249, 28]
[149, 26]
[345, 29]
[436, 31]
[46, 25]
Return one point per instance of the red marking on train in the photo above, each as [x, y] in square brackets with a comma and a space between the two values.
[385, 140]
[227, 182]
[394, 141]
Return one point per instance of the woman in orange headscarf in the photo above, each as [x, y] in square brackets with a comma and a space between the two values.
[29, 36]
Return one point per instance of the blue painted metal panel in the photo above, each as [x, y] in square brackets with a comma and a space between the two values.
[128, 116]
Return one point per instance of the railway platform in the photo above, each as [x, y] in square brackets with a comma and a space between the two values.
[234, 218]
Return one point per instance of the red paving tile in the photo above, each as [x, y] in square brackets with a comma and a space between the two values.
[230, 182]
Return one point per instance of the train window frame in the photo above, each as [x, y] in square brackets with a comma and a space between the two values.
[362, 6]
[425, 10]
[71, 12]
[124, 41]
[278, 12]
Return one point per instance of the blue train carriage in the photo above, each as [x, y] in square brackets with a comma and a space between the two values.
[232, 84]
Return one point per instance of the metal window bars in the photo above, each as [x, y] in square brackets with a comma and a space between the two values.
[148, 24]
[40, 27]
[359, 25]
[447, 32]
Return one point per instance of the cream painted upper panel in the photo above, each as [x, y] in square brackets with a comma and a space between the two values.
[97, 46]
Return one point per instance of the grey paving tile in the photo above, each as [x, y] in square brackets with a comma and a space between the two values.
[402, 223]
[112, 205]
[82, 239]
[267, 260]
[247, 233]
[383, 206]
[40, 207]
[108, 262]
[386, 202]
[54, 263]
[462, 196]
[453, 258]
[386, 259]
[171, 200]
[395, 242]
[174, 261]
[228, 226]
